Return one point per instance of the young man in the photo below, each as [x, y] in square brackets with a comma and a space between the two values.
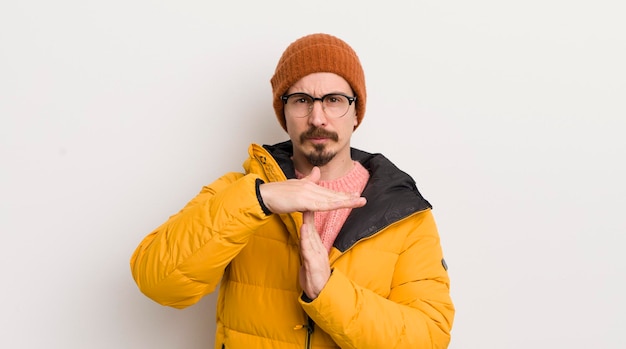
[315, 244]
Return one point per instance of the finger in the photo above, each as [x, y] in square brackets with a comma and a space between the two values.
[308, 218]
[335, 203]
[311, 246]
[315, 175]
[310, 240]
[306, 244]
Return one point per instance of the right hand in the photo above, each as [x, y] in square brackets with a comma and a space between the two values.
[301, 195]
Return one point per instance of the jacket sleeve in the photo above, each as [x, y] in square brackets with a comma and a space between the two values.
[184, 259]
[417, 313]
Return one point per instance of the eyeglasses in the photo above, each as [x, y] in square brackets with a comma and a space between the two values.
[300, 104]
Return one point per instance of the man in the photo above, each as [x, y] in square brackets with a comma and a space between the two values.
[316, 244]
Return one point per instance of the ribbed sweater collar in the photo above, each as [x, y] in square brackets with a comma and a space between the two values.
[353, 181]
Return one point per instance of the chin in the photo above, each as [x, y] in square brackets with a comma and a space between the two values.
[320, 158]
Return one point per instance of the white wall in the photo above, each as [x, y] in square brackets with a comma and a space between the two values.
[510, 115]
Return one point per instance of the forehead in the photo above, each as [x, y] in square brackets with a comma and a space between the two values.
[321, 83]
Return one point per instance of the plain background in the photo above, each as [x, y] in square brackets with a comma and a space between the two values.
[510, 116]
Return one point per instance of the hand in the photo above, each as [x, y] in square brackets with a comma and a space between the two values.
[315, 269]
[301, 195]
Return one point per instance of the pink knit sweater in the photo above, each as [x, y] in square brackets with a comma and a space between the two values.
[328, 223]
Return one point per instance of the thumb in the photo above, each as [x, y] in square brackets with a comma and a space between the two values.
[315, 175]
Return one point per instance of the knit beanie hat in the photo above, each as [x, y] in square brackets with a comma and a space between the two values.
[316, 53]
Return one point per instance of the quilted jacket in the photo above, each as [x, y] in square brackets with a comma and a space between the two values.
[389, 287]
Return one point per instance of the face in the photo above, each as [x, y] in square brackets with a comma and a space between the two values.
[317, 138]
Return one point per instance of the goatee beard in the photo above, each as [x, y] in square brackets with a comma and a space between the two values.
[319, 156]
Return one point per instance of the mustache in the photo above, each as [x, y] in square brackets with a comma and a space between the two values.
[316, 132]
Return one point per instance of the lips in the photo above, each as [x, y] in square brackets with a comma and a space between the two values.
[317, 140]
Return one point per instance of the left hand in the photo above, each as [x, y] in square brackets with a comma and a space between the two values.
[315, 269]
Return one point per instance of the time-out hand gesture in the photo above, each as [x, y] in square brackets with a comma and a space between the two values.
[301, 195]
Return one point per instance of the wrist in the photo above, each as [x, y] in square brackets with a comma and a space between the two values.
[257, 188]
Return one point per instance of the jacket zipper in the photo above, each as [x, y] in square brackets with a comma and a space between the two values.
[309, 332]
[309, 326]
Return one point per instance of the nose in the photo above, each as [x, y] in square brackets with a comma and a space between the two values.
[317, 116]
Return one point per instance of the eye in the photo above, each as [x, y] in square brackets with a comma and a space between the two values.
[300, 99]
[335, 99]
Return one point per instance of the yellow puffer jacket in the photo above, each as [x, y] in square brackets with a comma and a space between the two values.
[389, 287]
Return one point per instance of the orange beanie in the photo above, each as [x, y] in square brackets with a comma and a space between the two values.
[318, 53]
